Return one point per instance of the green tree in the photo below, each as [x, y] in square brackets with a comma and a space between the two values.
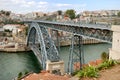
[26, 31]
[70, 13]
[20, 75]
[2, 11]
[26, 72]
[59, 12]
[118, 14]
[7, 13]
[104, 56]
[78, 15]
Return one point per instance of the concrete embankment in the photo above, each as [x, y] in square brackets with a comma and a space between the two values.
[21, 47]
[85, 41]
[16, 47]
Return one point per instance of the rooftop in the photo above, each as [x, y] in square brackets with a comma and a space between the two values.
[1, 29]
[44, 75]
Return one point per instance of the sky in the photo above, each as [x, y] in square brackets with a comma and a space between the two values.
[26, 6]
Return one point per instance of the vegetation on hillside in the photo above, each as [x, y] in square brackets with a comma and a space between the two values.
[20, 75]
[59, 12]
[104, 56]
[93, 71]
[118, 14]
[70, 13]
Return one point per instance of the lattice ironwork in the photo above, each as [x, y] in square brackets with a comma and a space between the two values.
[95, 31]
[76, 56]
[56, 38]
[47, 50]
[38, 34]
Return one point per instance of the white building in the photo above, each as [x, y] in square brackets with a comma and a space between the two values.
[1, 31]
[12, 27]
[14, 16]
[33, 15]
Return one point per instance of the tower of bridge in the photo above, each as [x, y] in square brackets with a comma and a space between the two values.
[115, 50]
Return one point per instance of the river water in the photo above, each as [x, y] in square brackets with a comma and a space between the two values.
[13, 63]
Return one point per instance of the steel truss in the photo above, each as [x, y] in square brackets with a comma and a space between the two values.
[76, 55]
[47, 50]
[56, 38]
[95, 31]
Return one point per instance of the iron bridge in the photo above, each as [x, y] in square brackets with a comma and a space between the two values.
[40, 42]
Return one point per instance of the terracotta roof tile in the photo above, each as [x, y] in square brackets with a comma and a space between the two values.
[45, 76]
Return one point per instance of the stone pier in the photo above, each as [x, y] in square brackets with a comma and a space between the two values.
[115, 50]
[55, 67]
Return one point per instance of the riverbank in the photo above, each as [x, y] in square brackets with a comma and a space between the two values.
[84, 41]
[111, 73]
[22, 46]
[13, 47]
[14, 63]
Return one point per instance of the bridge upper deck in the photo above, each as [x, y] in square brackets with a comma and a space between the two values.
[75, 24]
[101, 32]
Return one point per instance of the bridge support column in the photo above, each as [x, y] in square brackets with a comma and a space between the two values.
[55, 35]
[76, 56]
[115, 50]
[55, 67]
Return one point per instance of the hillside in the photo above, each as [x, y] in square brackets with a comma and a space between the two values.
[112, 73]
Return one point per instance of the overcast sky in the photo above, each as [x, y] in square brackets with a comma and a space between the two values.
[25, 6]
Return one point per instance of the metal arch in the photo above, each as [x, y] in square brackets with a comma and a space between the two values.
[41, 55]
[47, 49]
[51, 49]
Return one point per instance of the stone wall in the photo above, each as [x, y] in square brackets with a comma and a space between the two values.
[115, 50]
[58, 66]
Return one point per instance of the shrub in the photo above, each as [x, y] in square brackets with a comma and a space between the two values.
[89, 71]
[104, 56]
[26, 72]
[104, 65]
[20, 75]
[107, 64]
[75, 72]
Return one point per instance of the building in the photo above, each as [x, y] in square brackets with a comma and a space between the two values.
[1, 31]
[44, 75]
[33, 15]
[14, 16]
[10, 27]
[100, 13]
[14, 28]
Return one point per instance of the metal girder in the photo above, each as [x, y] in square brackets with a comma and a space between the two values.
[56, 38]
[76, 55]
[94, 31]
[47, 50]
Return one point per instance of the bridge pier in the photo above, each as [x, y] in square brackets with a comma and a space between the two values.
[115, 50]
[76, 56]
[55, 36]
[55, 67]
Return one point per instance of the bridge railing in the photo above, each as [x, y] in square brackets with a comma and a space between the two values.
[81, 23]
[73, 22]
